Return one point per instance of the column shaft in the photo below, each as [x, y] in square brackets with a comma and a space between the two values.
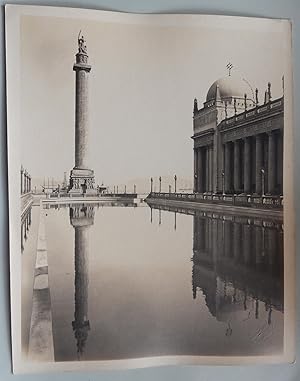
[195, 170]
[81, 118]
[200, 174]
[271, 164]
[211, 169]
[258, 163]
[237, 166]
[247, 166]
[227, 167]
[206, 189]
[280, 162]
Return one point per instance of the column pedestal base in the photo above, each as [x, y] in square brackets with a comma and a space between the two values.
[82, 182]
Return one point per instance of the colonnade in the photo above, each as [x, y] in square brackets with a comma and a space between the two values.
[249, 165]
[254, 165]
[25, 181]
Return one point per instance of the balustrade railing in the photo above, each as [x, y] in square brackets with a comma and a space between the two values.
[229, 199]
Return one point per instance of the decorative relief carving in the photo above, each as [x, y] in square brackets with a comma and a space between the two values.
[241, 132]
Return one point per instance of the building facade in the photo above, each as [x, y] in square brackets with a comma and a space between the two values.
[238, 143]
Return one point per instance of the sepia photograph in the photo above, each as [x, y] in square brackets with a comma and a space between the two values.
[150, 190]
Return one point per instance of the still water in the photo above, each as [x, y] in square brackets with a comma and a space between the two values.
[131, 282]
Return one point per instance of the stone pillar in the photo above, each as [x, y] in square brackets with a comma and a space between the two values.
[200, 174]
[271, 163]
[258, 163]
[247, 165]
[207, 179]
[280, 162]
[81, 178]
[81, 112]
[237, 167]
[211, 169]
[227, 167]
[195, 171]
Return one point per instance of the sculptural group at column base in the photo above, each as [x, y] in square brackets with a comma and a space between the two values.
[82, 182]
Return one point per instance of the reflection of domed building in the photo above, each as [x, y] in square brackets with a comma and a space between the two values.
[235, 138]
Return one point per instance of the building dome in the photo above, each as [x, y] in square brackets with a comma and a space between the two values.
[230, 87]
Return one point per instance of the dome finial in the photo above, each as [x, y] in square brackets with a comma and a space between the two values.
[229, 67]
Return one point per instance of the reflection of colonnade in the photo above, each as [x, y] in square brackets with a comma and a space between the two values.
[236, 260]
[81, 218]
[25, 225]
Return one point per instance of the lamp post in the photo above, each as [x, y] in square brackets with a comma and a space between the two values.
[175, 181]
[125, 189]
[159, 184]
[169, 188]
[223, 183]
[134, 189]
[151, 186]
[263, 182]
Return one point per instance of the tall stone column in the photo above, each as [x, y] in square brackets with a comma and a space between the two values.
[207, 179]
[200, 177]
[237, 167]
[227, 168]
[271, 163]
[195, 170]
[211, 168]
[280, 162]
[81, 178]
[258, 163]
[81, 218]
[247, 166]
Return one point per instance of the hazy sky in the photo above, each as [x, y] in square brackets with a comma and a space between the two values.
[142, 85]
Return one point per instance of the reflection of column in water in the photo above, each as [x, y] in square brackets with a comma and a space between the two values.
[81, 219]
[236, 240]
[228, 239]
[214, 241]
[280, 250]
[246, 243]
[272, 248]
[258, 246]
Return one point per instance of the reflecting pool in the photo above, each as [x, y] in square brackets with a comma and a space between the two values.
[131, 282]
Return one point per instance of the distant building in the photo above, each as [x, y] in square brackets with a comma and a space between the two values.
[238, 143]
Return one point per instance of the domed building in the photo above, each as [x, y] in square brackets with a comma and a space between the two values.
[238, 143]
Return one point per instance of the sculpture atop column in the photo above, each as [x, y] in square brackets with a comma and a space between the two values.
[81, 177]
